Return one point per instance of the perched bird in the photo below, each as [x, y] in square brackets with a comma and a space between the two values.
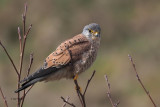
[71, 58]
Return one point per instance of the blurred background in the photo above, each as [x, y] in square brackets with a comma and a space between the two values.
[128, 27]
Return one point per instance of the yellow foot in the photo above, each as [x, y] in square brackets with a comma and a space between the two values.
[75, 77]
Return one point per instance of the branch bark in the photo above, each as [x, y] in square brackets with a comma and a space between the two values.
[66, 101]
[4, 98]
[78, 89]
[141, 83]
[109, 93]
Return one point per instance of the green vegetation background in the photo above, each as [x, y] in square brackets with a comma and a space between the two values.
[128, 27]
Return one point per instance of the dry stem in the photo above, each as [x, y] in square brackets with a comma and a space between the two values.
[66, 101]
[9, 57]
[109, 93]
[22, 48]
[25, 92]
[80, 95]
[147, 92]
[4, 98]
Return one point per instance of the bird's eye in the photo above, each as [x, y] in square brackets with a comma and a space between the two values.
[90, 30]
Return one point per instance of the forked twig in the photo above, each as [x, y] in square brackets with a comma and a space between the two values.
[147, 92]
[25, 92]
[22, 48]
[30, 64]
[109, 93]
[66, 101]
[80, 95]
[9, 57]
[89, 82]
[4, 98]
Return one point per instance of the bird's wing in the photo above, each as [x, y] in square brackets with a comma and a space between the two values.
[68, 51]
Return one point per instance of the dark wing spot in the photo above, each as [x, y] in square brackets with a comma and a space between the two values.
[70, 42]
[45, 64]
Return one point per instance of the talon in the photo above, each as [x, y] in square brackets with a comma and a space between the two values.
[75, 77]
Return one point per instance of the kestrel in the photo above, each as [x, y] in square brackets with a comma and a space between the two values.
[71, 57]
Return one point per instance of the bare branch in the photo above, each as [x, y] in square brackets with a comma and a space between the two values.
[147, 92]
[20, 40]
[78, 89]
[88, 82]
[30, 64]
[71, 104]
[22, 50]
[24, 92]
[79, 93]
[4, 98]
[24, 18]
[65, 102]
[109, 93]
[9, 57]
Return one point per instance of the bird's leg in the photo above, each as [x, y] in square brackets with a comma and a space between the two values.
[75, 77]
[76, 83]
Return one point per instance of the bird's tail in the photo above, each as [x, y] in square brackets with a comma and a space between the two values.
[37, 76]
[27, 84]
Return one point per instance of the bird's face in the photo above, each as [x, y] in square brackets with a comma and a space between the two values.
[92, 31]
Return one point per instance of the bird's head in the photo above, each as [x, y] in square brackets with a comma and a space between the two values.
[92, 31]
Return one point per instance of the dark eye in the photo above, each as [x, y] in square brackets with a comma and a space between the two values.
[90, 31]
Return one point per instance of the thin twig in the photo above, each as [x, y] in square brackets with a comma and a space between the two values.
[9, 57]
[71, 104]
[24, 92]
[147, 92]
[20, 39]
[24, 18]
[65, 102]
[24, 95]
[23, 48]
[80, 95]
[88, 82]
[4, 98]
[109, 92]
[30, 64]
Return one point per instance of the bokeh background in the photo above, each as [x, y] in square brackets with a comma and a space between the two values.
[128, 27]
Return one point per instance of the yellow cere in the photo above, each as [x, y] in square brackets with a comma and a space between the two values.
[95, 33]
